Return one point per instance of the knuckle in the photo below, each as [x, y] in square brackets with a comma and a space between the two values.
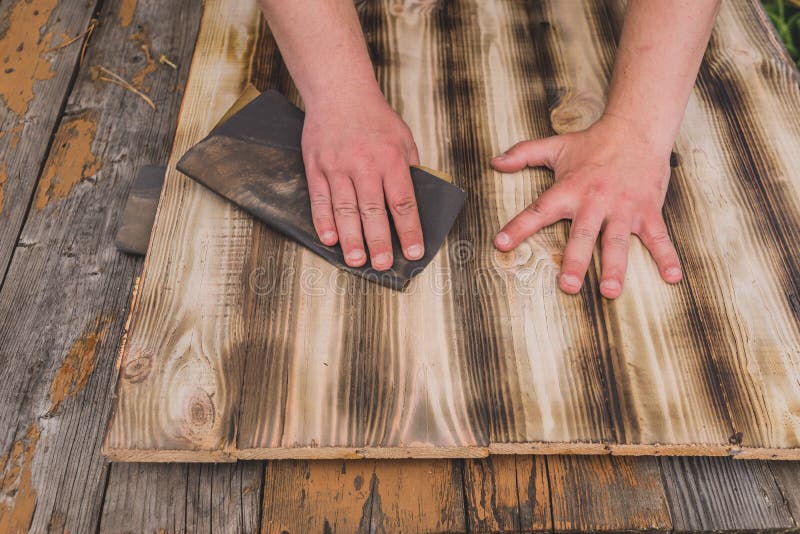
[404, 205]
[321, 201]
[408, 235]
[583, 233]
[659, 238]
[346, 209]
[572, 265]
[617, 239]
[371, 210]
[377, 243]
[538, 208]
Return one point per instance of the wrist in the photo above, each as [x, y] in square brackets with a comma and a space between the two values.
[658, 140]
[350, 94]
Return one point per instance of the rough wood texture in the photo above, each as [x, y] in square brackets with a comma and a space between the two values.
[56, 480]
[712, 494]
[363, 496]
[183, 498]
[66, 291]
[243, 345]
[615, 494]
[507, 494]
[36, 78]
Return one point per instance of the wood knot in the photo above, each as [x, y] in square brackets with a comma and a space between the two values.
[575, 112]
[513, 259]
[736, 438]
[199, 412]
[137, 369]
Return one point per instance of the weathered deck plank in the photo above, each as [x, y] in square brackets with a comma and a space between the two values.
[617, 494]
[37, 76]
[507, 493]
[716, 494]
[67, 289]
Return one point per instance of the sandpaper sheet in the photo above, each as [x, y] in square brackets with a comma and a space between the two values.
[254, 160]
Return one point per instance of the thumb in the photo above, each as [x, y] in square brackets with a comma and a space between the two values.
[535, 153]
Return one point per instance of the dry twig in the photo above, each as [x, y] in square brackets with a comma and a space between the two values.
[122, 82]
[87, 34]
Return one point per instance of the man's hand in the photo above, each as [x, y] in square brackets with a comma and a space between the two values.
[609, 180]
[357, 155]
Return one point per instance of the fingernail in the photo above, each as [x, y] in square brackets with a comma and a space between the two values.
[414, 252]
[500, 157]
[356, 256]
[502, 239]
[673, 272]
[609, 285]
[382, 259]
[570, 280]
[328, 237]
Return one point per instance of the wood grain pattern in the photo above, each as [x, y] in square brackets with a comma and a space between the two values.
[52, 474]
[712, 495]
[244, 345]
[67, 289]
[617, 494]
[507, 493]
[34, 87]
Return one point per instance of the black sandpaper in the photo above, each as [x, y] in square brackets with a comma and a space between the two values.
[254, 160]
[133, 234]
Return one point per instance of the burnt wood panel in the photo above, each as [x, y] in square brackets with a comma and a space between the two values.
[244, 345]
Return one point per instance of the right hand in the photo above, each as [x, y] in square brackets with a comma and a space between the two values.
[357, 153]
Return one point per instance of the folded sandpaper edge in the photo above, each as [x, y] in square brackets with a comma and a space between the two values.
[270, 120]
[139, 213]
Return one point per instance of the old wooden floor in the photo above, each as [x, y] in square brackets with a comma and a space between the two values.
[69, 149]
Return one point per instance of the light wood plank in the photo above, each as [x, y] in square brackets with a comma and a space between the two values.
[750, 91]
[191, 377]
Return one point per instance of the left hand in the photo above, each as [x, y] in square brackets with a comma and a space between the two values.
[609, 179]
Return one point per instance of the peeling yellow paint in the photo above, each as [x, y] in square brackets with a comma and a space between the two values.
[17, 495]
[126, 10]
[16, 132]
[71, 159]
[78, 364]
[21, 52]
[150, 65]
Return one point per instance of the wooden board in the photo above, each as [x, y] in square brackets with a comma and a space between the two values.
[66, 292]
[244, 345]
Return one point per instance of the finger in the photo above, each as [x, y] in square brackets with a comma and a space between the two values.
[534, 153]
[348, 222]
[372, 208]
[403, 205]
[321, 207]
[582, 236]
[656, 238]
[553, 205]
[615, 244]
